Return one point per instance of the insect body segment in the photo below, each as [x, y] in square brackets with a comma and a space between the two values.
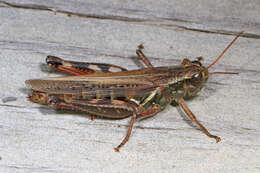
[137, 93]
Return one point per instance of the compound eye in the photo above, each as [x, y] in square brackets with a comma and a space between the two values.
[196, 78]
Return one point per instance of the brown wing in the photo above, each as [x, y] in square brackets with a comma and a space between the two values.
[128, 83]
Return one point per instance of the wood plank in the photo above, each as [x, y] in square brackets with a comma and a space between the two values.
[38, 139]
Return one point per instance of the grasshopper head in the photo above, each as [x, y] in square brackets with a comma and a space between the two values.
[195, 75]
[195, 78]
[39, 97]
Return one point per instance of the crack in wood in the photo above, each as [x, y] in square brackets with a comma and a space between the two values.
[128, 19]
[137, 127]
[73, 14]
[30, 167]
[12, 106]
[223, 32]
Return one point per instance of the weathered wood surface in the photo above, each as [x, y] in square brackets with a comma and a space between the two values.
[37, 139]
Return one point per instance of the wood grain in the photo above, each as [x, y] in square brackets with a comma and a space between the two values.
[38, 139]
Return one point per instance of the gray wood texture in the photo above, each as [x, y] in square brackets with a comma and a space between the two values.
[35, 138]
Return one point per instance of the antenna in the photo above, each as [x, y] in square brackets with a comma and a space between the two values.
[224, 51]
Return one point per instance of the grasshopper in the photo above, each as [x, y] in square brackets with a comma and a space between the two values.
[111, 91]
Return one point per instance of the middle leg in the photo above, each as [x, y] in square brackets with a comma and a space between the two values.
[194, 119]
